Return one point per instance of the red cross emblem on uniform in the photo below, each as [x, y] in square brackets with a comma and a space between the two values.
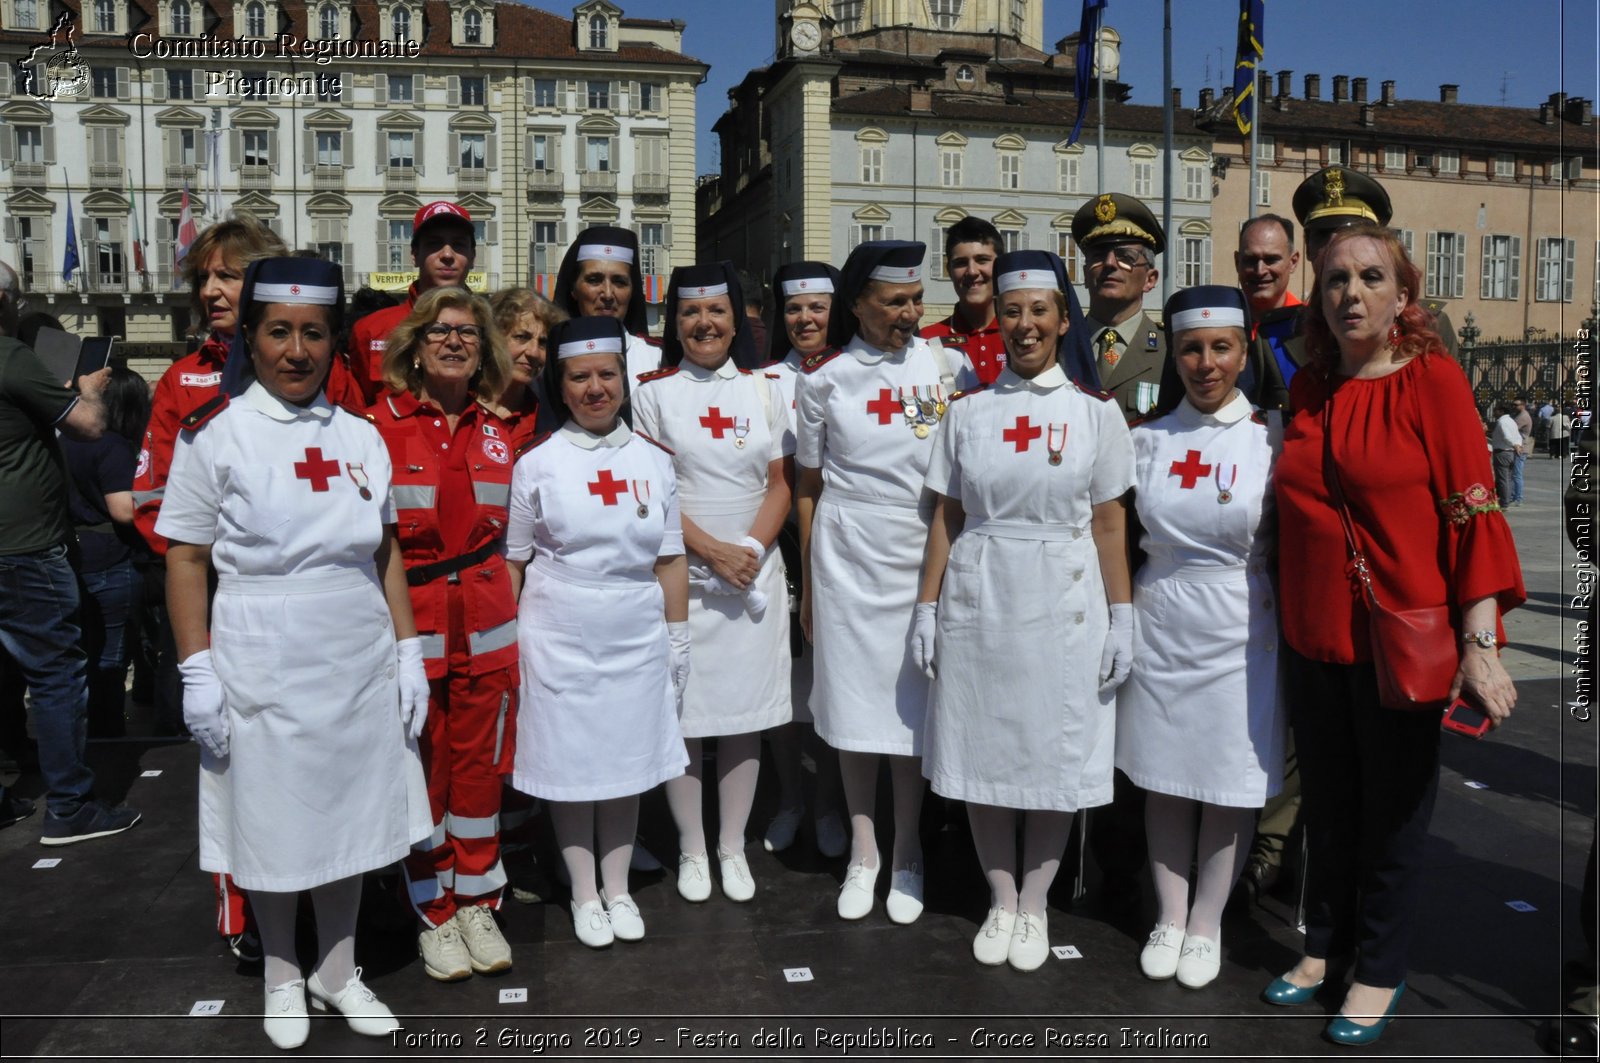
[1023, 275]
[590, 345]
[884, 406]
[700, 291]
[1205, 313]
[608, 250]
[317, 469]
[294, 289]
[803, 285]
[608, 487]
[1022, 434]
[1191, 470]
[716, 422]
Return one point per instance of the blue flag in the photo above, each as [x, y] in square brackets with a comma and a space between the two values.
[1252, 15]
[1088, 33]
[69, 260]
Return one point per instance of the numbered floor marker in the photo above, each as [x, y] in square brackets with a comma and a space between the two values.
[797, 974]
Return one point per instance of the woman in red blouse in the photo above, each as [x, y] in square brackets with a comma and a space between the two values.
[1407, 442]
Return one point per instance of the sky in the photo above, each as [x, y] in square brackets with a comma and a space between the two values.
[1511, 51]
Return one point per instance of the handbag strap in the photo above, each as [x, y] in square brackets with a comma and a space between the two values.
[1358, 560]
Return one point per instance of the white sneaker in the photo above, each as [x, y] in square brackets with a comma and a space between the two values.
[993, 942]
[832, 841]
[737, 885]
[1030, 942]
[855, 896]
[1160, 956]
[626, 922]
[781, 831]
[590, 923]
[905, 895]
[694, 877]
[284, 1016]
[444, 954]
[365, 1013]
[487, 948]
[1200, 962]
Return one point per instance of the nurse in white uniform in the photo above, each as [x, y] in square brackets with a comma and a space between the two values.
[600, 277]
[1024, 617]
[867, 417]
[596, 552]
[306, 706]
[733, 451]
[1200, 725]
[802, 326]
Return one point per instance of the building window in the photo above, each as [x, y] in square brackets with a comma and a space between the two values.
[847, 15]
[180, 84]
[1449, 160]
[867, 234]
[401, 88]
[1019, 12]
[402, 149]
[330, 87]
[541, 152]
[1447, 265]
[1505, 165]
[256, 148]
[946, 13]
[1263, 189]
[1423, 161]
[1194, 261]
[328, 22]
[105, 146]
[1502, 268]
[187, 146]
[1014, 239]
[1067, 173]
[597, 154]
[1336, 153]
[597, 31]
[27, 13]
[1144, 178]
[330, 148]
[1010, 170]
[599, 95]
[652, 248]
[544, 92]
[1407, 240]
[474, 151]
[547, 249]
[255, 19]
[181, 22]
[396, 253]
[473, 91]
[30, 143]
[1555, 257]
[472, 27]
[103, 82]
[1067, 249]
[1394, 157]
[1266, 148]
[107, 251]
[950, 167]
[400, 19]
[1194, 181]
[650, 96]
[871, 164]
[105, 16]
[31, 256]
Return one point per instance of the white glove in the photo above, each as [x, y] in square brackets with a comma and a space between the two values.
[203, 712]
[413, 685]
[678, 661]
[1116, 659]
[924, 628]
[755, 602]
[754, 545]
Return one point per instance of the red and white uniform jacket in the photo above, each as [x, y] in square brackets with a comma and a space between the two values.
[367, 340]
[982, 347]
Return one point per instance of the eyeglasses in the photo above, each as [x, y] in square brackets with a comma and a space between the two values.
[438, 332]
[1127, 257]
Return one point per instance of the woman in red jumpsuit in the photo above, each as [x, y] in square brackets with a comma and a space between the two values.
[452, 462]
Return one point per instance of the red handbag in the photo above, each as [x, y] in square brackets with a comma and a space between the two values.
[1414, 651]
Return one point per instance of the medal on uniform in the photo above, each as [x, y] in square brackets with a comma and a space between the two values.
[740, 431]
[1050, 442]
[929, 410]
[1225, 491]
[643, 500]
[939, 405]
[909, 405]
[358, 473]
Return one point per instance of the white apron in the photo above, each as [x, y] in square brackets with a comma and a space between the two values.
[856, 418]
[598, 717]
[724, 428]
[320, 781]
[1200, 717]
[1016, 718]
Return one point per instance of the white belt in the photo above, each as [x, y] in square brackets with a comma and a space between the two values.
[720, 505]
[850, 500]
[1022, 529]
[1165, 568]
[342, 579]
[581, 577]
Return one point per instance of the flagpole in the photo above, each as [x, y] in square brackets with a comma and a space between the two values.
[1166, 133]
[1100, 94]
[1255, 125]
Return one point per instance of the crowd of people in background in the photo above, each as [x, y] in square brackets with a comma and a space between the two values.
[463, 553]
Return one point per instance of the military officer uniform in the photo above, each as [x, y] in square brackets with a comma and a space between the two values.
[1129, 356]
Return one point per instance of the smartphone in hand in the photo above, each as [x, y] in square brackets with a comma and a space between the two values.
[1465, 719]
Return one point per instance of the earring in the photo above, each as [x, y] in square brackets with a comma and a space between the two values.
[1395, 335]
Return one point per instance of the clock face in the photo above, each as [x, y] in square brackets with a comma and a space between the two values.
[806, 35]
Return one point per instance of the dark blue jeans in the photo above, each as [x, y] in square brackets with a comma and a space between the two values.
[39, 628]
[110, 607]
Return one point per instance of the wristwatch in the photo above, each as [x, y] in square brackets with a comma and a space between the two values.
[1484, 638]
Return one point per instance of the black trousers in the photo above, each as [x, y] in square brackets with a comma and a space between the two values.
[1368, 777]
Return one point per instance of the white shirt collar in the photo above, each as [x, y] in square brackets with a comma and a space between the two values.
[1234, 410]
[726, 371]
[867, 354]
[257, 397]
[582, 437]
[1048, 380]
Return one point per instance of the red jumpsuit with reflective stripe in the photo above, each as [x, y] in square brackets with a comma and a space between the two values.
[983, 346]
[365, 356]
[450, 492]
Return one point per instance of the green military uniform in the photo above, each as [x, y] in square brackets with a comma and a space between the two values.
[1129, 362]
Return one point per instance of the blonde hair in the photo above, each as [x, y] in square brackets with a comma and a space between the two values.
[241, 239]
[510, 304]
[402, 369]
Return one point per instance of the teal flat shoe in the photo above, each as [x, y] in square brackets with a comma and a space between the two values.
[1341, 1031]
[1285, 993]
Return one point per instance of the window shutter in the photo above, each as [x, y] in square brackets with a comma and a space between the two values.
[1461, 265]
[855, 236]
[1515, 283]
[347, 148]
[122, 83]
[553, 153]
[349, 260]
[453, 151]
[528, 156]
[11, 229]
[561, 234]
[935, 252]
[8, 150]
[235, 148]
[1486, 258]
[614, 96]
[383, 151]
[888, 232]
[1570, 260]
[491, 151]
[1022, 240]
[308, 157]
[380, 88]
[452, 95]
[173, 145]
[49, 143]
[416, 152]
[158, 85]
[491, 231]
[272, 149]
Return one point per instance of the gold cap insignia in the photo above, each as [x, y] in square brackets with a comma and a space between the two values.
[1333, 189]
[1104, 209]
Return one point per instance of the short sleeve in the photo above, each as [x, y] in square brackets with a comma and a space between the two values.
[194, 497]
[811, 430]
[944, 465]
[382, 475]
[27, 385]
[672, 534]
[966, 377]
[1113, 458]
[522, 511]
[778, 422]
[647, 411]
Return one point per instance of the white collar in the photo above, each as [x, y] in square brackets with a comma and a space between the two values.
[1048, 380]
[726, 371]
[582, 437]
[1234, 410]
[257, 397]
[867, 354]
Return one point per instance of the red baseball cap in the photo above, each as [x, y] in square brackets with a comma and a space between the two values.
[439, 208]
